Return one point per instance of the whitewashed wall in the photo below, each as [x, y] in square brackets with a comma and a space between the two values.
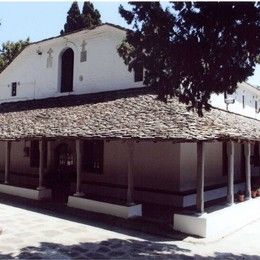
[213, 164]
[156, 165]
[161, 169]
[104, 70]
[250, 94]
[19, 163]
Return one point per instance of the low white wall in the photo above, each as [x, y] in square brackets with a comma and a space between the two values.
[25, 193]
[123, 211]
[190, 200]
[219, 221]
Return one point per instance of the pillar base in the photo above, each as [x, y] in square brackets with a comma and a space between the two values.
[6, 182]
[131, 203]
[79, 194]
[41, 188]
[118, 210]
[219, 221]
[229, 204]
[198, 214]
[34, 194]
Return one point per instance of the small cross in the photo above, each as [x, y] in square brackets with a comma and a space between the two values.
[83, 45]
[50, 51]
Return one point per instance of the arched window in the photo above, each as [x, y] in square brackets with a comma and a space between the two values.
[67, 66]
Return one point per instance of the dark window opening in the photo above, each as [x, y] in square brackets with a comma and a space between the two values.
[26, 151]
[243, 163]
[225, 95]
[67, 66]
[66, 158]
[243, 101]
[14, 87]
[93, 156]
[35, 154]
[224, 159]
[256, 158]
[256, 107]
[139, 72]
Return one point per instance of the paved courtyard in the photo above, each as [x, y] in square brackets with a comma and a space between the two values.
[28, 234]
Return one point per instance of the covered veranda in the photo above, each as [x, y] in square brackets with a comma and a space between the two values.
[130, 118]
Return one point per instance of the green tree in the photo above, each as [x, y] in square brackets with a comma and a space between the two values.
[10, 50]
[91, 16]
[192, 49]
[74, 19]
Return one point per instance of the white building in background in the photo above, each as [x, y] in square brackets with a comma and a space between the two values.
[245, 101]
[76, 124]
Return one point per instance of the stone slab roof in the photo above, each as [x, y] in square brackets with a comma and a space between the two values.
[126, 115]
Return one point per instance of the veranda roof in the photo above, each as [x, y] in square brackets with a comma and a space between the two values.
[121, 115]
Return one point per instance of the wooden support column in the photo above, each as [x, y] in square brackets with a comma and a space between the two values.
[50, 155]
[230, 153]
[130, 177]
[41, 164]
[247, 151]
[79, 168]
[7, 160]
[200, 177]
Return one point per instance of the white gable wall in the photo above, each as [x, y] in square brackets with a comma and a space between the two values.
[104, 70]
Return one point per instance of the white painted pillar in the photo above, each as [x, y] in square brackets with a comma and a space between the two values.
[50, 155]
[247, 151]
[7, 161]
[230, 153]
[41, 164]
[79, 168]
[130, 177]
[200, 177]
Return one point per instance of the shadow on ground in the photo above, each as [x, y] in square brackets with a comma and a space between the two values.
[162, 231]
[114, 248]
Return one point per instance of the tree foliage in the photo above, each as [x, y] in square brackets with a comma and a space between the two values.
[10, 50]
[192, 49]
[91, 16]
[76, 20]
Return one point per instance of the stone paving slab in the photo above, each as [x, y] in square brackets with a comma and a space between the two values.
[28, 234]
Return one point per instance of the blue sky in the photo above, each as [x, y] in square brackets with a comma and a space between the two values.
[40, 20]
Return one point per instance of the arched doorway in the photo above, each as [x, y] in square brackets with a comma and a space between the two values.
[67, 65]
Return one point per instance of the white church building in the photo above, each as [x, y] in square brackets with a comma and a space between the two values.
[78, 128]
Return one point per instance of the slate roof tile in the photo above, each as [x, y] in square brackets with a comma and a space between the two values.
[111, 116]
